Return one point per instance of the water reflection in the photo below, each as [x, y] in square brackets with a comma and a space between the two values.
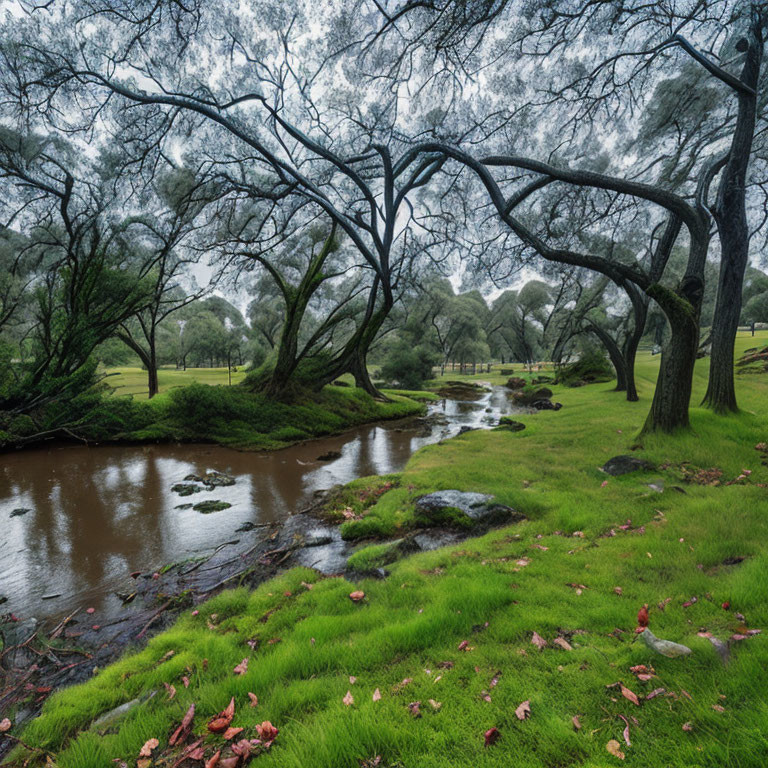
[97, 514]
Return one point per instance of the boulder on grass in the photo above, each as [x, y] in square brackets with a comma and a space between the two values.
[623, 465]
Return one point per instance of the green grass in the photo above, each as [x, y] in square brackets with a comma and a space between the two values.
[518, 581]
[126, 380]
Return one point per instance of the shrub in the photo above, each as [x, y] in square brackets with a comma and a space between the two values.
[409, 367]
[589, 368]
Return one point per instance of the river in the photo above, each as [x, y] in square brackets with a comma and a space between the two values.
[97, 514]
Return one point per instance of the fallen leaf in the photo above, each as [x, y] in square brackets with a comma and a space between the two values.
[171, 690]
[538, 641]
[241, 668]
[562, 643]
[414, 708]
[576, 723]
[435, 704]
[214, 761]
[491, 736]
[356, 596]
[654, 693]
[626, 731]
[90, 611]
[376, 695]
[618, 590]
[230, 733]
[185, 680]
[5, 725]
[149, 746]
[221, 722]
[485, 696]
[524, 710]
[254, 699]
[718, 708]
[183, 730]
[267, 732]
[465, 646]
[352, 679]
[642, 616]
[349, 699]
[687, 726]
[630, 695]
[614, 748]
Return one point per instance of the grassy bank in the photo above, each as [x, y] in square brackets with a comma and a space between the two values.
[455, 626]
[127, 380]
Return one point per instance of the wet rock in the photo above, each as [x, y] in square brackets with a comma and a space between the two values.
[193, 479]
[461, 390]
[184, 506]
[317, 541]
[218, 479]
[440, 507]
[509, 424]
[623, 465]
[3, 599]
[245, 527]
[206, 507]
[20, 511]
[329, 456]
[466, 429]
[547, 405]
[185, 489]
[516, 383]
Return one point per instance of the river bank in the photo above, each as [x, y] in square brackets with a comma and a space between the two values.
[535, 618]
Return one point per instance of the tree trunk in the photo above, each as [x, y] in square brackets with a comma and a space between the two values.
[731, 217]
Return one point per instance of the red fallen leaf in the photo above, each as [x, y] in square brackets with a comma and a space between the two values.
[229, 762]
[356, 596]
[576, 723]
[185, 680]
[241, 668]
[687, 726]
[214, 761]
[485, 696]
[626, 731]
[155, 576]
[538, 641]
[244, 747]
[642, 616]
[267, 732]
[96, 627]
[352, 679]
[287, 593]
[718, 708]
[349, 699]
[230, 733]
[638, 668]
[644, 677]
[221, 722]
[524, 710]
[254, 699]
[738, 636]
[491, 736]
[754, 631]
[494, 680]
[5, 725]
[90, 611]
[726, 605]
[183, 730]
[689, 603]
[654, 693]
[630, 695]
[149, 746]
[464, 645]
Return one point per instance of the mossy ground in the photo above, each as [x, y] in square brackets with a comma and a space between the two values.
[519, 580]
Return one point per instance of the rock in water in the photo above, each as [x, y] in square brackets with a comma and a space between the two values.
[217, 479]
[623, 465]
[329, 456]
[20, 511]
[206, 507]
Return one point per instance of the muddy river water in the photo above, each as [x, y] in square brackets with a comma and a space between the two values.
[75, 521]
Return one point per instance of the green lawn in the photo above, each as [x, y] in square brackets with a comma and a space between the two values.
[570, 572]
[126, 380]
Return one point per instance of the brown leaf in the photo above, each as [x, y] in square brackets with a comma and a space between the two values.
[718, 708]
[654, 693]
[183, 730]
[254, 699]
[5, 725]
[435, 704]
[524, 710]
[630, 695]
[491, 736]
[149, 745]
[485, 696]
[687, 726]
[221, 722]
[626, 731]
[241, 668]
[562, 643]
[214, 761]
[185, 680]
[267, 732]
[352, 679]
[614, 748]
[349, 699]
[576, 723]
[538, 641]
[356, 596]
[376, 695]
[171, 690]
[230, 733]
